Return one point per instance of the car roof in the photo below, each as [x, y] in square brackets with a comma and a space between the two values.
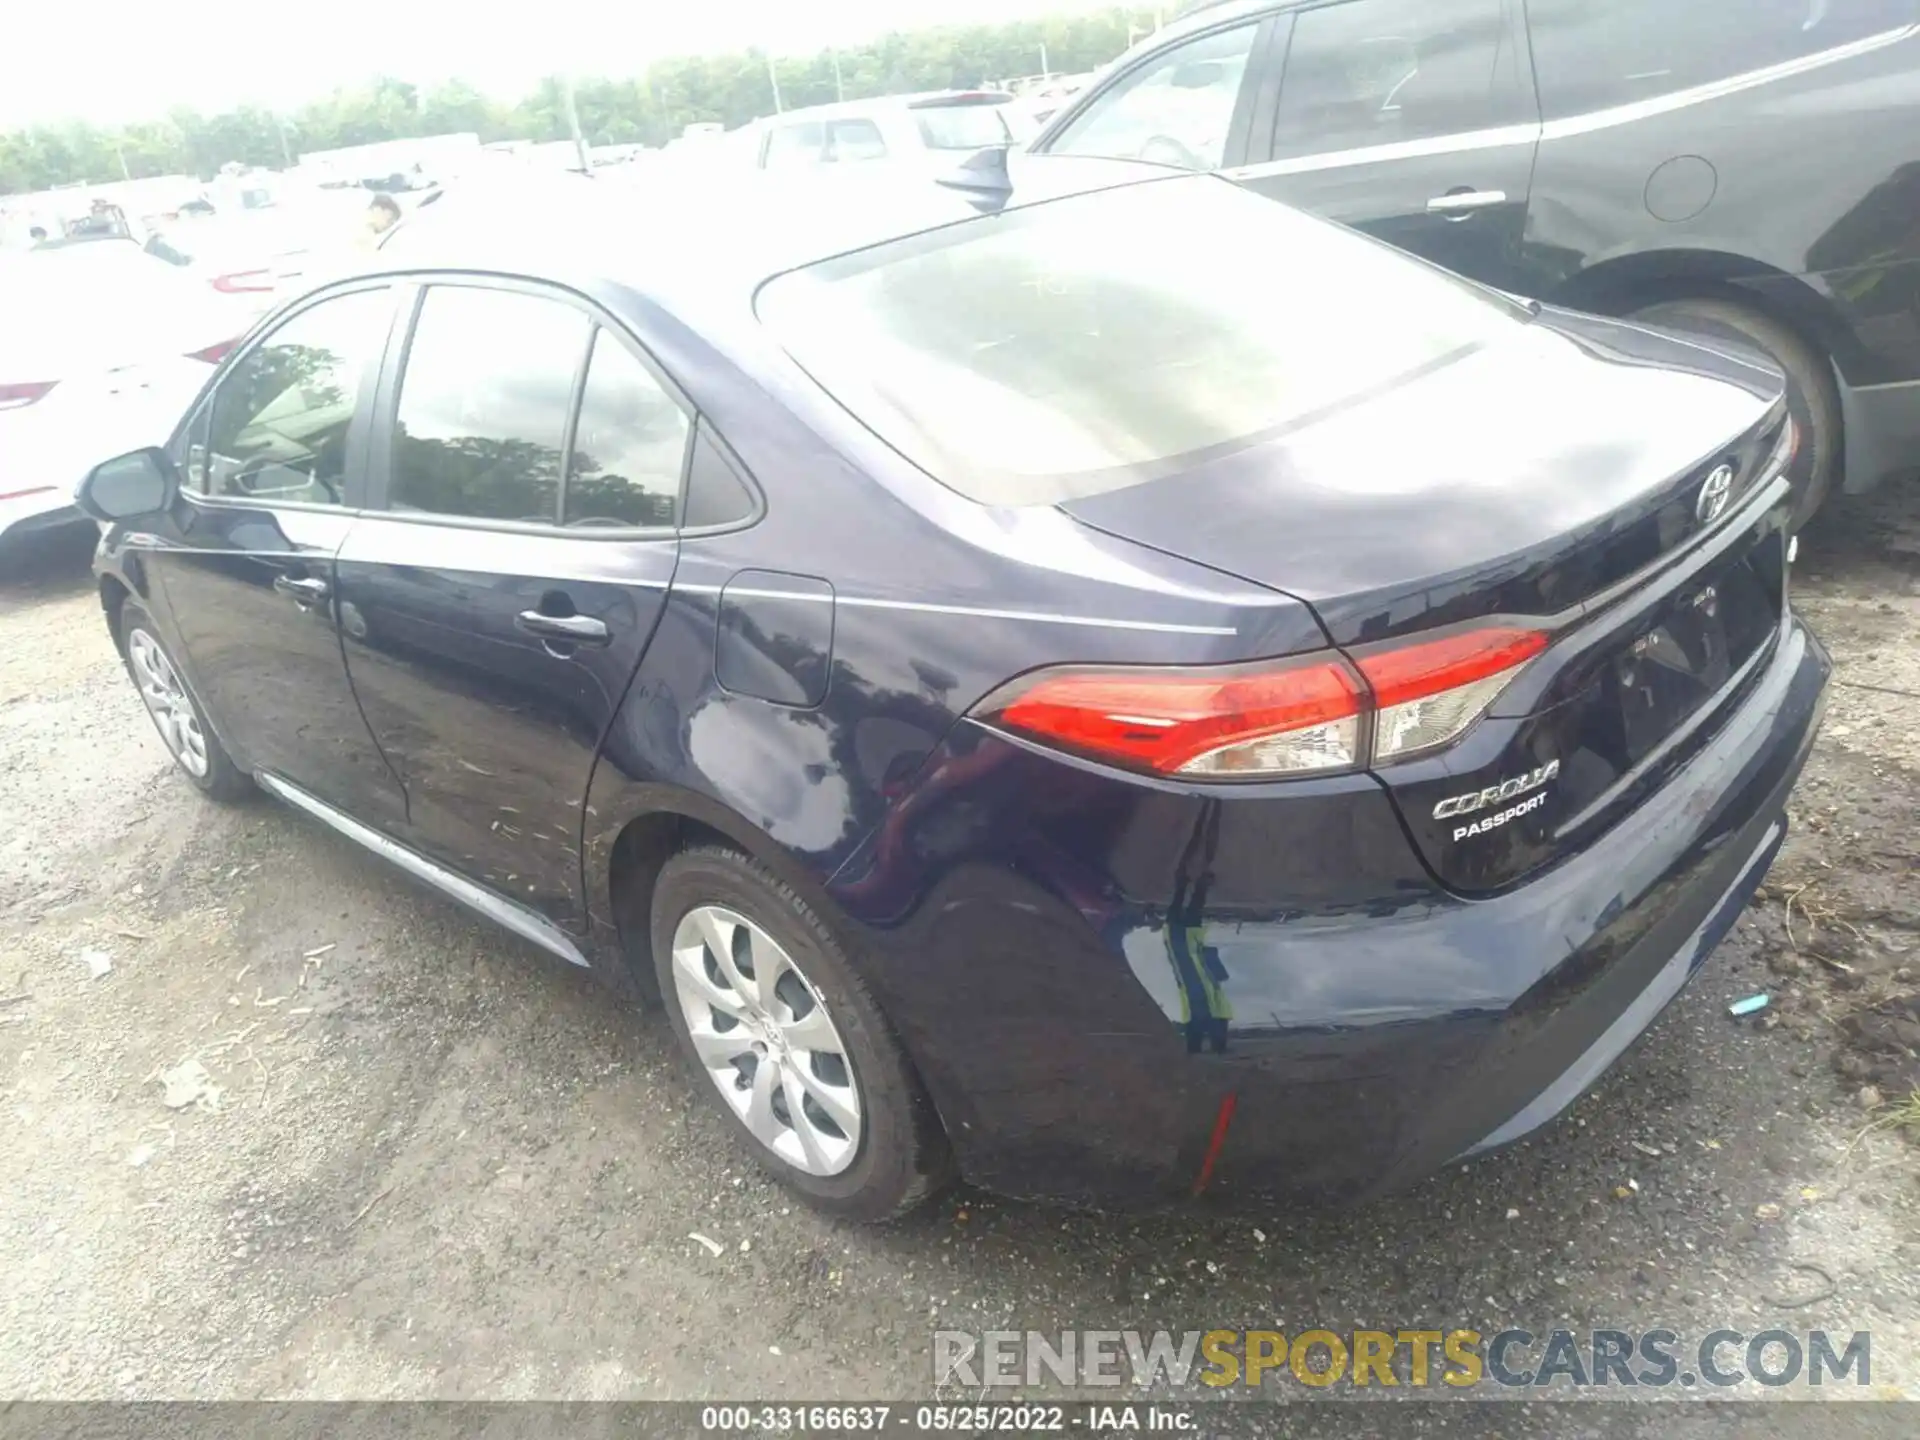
[716, 235]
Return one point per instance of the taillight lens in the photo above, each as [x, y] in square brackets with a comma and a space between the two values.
[214, 354]
[1299, 716]
[18, 397]
[1280, 718]
[1428, 693]
[244, 282]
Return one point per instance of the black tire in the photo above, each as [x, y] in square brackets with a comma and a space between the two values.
[902, 1157]
[1812, 399]
[221, 779]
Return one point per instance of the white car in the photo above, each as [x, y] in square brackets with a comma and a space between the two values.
[260, 257]
[103, 349]
[938, 128]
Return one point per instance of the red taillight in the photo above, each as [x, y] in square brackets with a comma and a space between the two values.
[244, 282]
[1283, 717]
[214, 354]
[18, 397]
[22, 494]
[1426, 694]
[1199, 722]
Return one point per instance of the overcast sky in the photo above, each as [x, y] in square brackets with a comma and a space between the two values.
[112, 61]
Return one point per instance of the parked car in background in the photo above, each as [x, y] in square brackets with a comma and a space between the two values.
[100, 347]
[259, 257]
[1033, 685]
[1045, 101]
[1746, 167]
[941, 127]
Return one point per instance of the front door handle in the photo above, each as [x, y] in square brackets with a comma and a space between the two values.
[567, 629]
[1458, 204]
[304, 592]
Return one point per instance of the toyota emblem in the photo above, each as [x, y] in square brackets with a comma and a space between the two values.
[1714, 494]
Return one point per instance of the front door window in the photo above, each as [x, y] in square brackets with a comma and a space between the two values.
[278, 426]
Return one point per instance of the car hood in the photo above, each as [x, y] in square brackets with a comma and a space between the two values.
[1521, 477]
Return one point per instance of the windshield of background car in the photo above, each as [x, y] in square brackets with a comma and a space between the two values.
[964, 125]
[1088, 344]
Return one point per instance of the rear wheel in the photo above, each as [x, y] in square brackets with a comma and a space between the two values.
[174, 711]
[784, 1038]
[1811, 398]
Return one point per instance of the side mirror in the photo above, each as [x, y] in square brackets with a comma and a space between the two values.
[1198, 76]
[142, 482]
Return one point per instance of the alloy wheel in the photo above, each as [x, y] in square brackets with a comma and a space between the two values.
[168, 703]
[766, 1040]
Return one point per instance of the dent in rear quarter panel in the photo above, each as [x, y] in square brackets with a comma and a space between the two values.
[1062, 948]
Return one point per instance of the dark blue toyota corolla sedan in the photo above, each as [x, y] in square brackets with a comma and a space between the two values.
[1111, 687]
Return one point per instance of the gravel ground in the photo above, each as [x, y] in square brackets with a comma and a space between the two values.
[439, 1166]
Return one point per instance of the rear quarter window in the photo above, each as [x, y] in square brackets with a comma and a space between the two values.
[1595, 54]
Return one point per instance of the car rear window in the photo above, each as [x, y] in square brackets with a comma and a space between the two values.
[964, 125]
[1069, 348]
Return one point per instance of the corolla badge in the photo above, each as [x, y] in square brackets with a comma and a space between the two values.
[1459, 807]
[1715, 491]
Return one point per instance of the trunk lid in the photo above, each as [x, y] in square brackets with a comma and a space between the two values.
[1523, 477]
[1572, 503]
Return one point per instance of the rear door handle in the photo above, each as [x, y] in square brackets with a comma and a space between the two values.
[304, 592]
[568, 629]
[1459, 203]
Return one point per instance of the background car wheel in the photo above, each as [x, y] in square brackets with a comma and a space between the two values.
[1811, 397]
[176, 714]
[786, 1040]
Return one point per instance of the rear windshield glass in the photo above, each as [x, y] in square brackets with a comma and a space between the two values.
[1088, 344]
[970, 125]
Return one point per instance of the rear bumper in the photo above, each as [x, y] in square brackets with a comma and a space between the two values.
[1363, 1044]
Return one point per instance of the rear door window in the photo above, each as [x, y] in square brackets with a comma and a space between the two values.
[1380, 72]
[800, 143]
[1595, 54]
[855, 139]
[1174, 109]
[481, 424]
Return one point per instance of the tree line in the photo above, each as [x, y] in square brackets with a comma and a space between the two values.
[650, 108]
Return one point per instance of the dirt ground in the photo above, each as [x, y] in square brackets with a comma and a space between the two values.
[439, 1166]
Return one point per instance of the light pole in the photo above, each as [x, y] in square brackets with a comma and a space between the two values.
[573, 122]
[774, 80]
[839, 89]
